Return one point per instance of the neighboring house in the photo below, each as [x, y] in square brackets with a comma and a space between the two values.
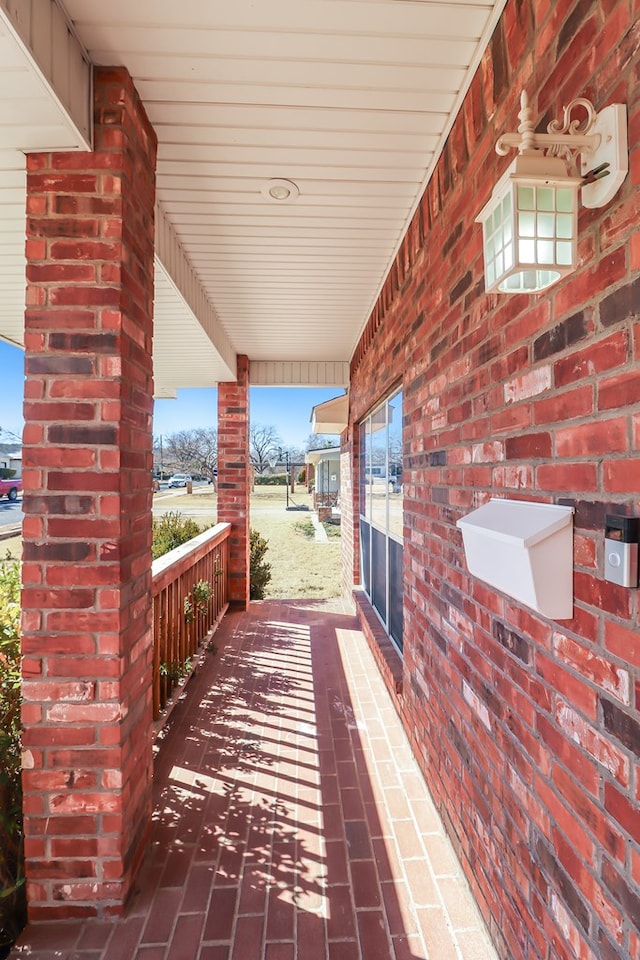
[325, 464]
[12, 460]
[145, 277]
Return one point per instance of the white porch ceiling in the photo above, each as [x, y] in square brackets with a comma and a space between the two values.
[350, 99]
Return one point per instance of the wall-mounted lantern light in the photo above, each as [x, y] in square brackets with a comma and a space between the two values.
[530, 224]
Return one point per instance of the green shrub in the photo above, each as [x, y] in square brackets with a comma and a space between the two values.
[202, 593]
[271, 480]
[176, 671]
[259, 570]
[171, 531]
[198, 600]
[12, 890]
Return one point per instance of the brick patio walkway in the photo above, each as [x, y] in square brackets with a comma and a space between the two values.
[291, 821]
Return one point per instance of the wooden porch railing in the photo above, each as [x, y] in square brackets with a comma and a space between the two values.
[190, 594]
[326, 499]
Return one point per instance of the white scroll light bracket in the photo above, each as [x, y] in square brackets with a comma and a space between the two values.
[530, 223]
[600, 140]
[611, 154]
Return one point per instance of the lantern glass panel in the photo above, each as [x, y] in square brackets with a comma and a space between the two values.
[526, 198]
[564, 226]
[527, 249]
[529, 235]
[564, 253]
[565, 200]
[545, 198]
[527, 281]
[546, 224]
[508, 256]
[545, 251]
[527, 225]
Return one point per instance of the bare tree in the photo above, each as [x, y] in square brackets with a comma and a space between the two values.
[317, 441]
[9, 437]
[296, 455]
[162, 466]
[194, 451]
[265, 446]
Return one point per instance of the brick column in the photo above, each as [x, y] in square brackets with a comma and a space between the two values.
[234, 477]
[87, 529]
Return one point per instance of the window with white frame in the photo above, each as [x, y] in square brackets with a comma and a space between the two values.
[381, 517]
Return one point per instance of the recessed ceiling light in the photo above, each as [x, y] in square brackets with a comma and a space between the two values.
[281, 191]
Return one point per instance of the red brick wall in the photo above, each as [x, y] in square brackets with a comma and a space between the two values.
[234, 477]
[528, 730]
[87, 500]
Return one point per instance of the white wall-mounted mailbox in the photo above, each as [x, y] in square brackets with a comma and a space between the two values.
[524, 549]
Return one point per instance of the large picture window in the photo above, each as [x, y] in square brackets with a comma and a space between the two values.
[381, 512]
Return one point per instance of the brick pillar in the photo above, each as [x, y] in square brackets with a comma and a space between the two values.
[234, 477]
[87, 502]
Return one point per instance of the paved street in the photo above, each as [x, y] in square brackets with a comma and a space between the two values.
[10, 512]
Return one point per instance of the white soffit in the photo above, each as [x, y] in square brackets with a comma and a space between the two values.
[300, 373]
[45, 103]
[327, 454]
[183, 354]
[48, 106]
[12, 260]
[190, 348]
[350, 99]
[332, 416]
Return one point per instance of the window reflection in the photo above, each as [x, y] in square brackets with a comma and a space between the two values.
[381, 513]
[395, 464]
[378, 473]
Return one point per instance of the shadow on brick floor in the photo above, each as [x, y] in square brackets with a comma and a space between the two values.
[291, 822]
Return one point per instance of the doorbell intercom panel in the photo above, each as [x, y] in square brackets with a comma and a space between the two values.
[621, 550]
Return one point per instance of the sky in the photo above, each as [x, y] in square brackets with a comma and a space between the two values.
[288, 409]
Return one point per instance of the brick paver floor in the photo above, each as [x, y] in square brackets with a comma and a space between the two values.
[291, 821]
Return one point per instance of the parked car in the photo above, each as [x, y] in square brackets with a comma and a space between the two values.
[378, 476]
[180, 479]
[10, 488]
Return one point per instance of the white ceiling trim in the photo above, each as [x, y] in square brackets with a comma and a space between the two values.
[183, 354]
[325, 455]
[299, 373]
[332, 416]
[178, 270]
[53, 52]
[45, 104]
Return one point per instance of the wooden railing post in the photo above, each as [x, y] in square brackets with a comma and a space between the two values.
[181, 621]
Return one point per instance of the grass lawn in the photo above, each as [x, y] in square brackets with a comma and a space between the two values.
[300, 566]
